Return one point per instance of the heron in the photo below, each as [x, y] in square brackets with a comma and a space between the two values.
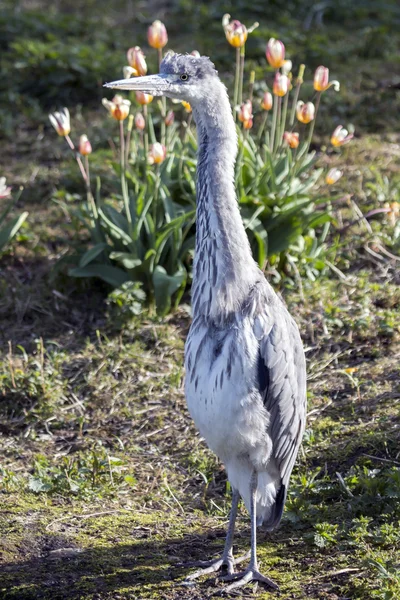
[245, 381]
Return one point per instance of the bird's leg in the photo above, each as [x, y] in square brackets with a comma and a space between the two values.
[251, 573]
[227, 559]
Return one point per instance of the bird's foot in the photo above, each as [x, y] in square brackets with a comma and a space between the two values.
[213, 566]
[244, 577]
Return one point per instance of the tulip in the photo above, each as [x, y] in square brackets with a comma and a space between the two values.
[85, 146]
[333, 176]
[137, 60]
[5, 190]
[170, 118]
[281, 84]
[118, 107]
[143, 98]
[291, 138]
[195, 53]
[266, 102]
[236, 33]
[187, 106]
[140, 123]
[286, 67]
[248, 124]
[245, 112]
[129, 72]
[61, 122]
[305, 112]
[340, 136]
[275, 53]
[157, 154]
[157, 35]
[321, 80]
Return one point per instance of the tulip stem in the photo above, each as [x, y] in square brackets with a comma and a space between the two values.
[163, 102]
[155, 198]
[146, 136]
[241, 62]
[283, 120]
[311, 132]
[294, 105]
[236, 89]
[84, 172]
[124, 187]
[262, 126]
[128, 140]
[278, 125]
[274, 118]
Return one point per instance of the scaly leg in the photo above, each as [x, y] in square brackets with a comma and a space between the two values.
[251, 573]
[227, 560]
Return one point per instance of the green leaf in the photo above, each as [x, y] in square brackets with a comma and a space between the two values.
[165, 286]
[8, 232]
[128, 260]
[107, 273]
[91, 254]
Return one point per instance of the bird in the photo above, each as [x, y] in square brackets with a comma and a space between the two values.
[245, 368]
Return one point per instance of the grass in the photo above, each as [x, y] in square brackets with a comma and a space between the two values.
[105, 485]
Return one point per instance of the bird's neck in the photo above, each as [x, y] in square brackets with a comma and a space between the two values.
[224, 269]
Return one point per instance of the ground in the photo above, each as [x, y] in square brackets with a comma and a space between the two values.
[106, 487]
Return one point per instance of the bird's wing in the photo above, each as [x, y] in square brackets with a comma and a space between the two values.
[282, 384]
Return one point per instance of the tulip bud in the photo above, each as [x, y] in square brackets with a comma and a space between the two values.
[321, 80]
[291, 138]
[186, 106]
[305, 112]
[333, 176]
[275, 53]
[129, 72]
[340, 136]
[85, 147]
[286, 67]
[195, 53]
[140, 123]
[137, 60]
[245, 112]
[248, 124]
[61, 122]
[300, 75]
[157, 154]
[5, 190]
[143, 98]
[266, 102]
[281, 84]
[170, 118]
[157, 35]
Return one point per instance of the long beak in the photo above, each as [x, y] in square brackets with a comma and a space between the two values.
[156, 85]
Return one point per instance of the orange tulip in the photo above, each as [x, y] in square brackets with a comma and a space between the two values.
[291, 138]
[157, 154]
[118, 107]
[321, 80]
[61, 122]
[305, 112]
[281, 84]
[275, 53]
[157, 35]
[333, 176]
[266, 102]
[143, 98]
[140, 123]
[340, 136]
[137, 60]
[85, 146]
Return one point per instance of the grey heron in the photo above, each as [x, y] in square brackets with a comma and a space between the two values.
[245, 367]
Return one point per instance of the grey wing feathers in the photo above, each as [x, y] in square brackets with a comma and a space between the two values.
[282, 383]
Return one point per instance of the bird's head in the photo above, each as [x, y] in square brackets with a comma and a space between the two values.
[184, 77]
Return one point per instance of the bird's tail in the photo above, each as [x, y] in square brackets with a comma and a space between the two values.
[273, 514]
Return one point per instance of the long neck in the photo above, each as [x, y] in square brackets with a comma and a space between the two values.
[224, 269]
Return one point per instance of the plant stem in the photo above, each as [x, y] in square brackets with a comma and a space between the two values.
[295, 99]
[242, 55]
[283, 120]
[313, 122]
[278, 125]
[274, 118]
[237, 77]
[146, 134]
[128, 139]
[124, 186]
[155, 199]
[263, 125]
[163, 103]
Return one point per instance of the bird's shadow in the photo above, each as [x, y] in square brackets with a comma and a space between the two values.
[136, 570]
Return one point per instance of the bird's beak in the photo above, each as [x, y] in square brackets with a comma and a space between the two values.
[155, 85]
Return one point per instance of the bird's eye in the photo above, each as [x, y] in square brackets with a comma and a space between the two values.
[184, 77]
